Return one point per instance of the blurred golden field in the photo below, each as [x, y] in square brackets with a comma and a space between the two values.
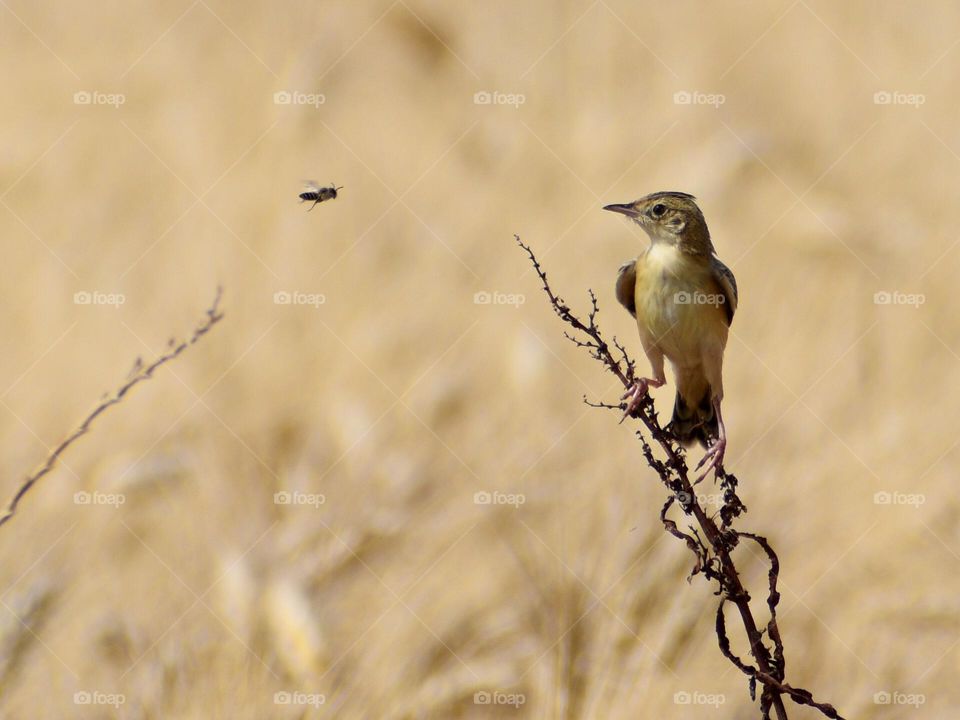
[392, 392]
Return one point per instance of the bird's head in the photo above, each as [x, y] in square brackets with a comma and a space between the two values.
[670, 217]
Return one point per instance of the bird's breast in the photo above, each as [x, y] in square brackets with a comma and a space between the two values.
[674, 313]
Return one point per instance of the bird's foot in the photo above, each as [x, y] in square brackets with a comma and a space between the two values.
[636, 393]
[712, 458]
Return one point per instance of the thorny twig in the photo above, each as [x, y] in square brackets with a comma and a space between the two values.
[713, 544]
[140, 373]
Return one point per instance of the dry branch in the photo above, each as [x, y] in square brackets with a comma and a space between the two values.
[712, 544]
[139, 374]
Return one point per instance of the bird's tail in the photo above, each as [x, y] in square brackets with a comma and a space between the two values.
[694, 423]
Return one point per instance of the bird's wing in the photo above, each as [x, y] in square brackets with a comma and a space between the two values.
[626, 284]
[728, 285]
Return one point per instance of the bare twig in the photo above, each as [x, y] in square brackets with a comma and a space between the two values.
[711, 544]
[139, 373]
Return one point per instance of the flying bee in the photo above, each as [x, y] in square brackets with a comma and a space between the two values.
[316, 194]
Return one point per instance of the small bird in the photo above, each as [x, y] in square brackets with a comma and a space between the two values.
[684, 299]
[318, 194]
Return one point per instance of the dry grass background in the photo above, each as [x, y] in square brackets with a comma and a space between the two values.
[399, 398]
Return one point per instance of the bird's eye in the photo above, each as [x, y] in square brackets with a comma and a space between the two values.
[659, 209]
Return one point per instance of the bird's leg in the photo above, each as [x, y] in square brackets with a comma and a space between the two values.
[636, 393]
[714, 454]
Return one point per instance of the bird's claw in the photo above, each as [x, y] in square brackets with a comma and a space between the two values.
[636, 395]
[712, 458]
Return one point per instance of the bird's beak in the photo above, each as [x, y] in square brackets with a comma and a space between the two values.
[627, 209]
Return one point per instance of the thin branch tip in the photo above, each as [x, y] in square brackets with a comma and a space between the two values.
[139, 373]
